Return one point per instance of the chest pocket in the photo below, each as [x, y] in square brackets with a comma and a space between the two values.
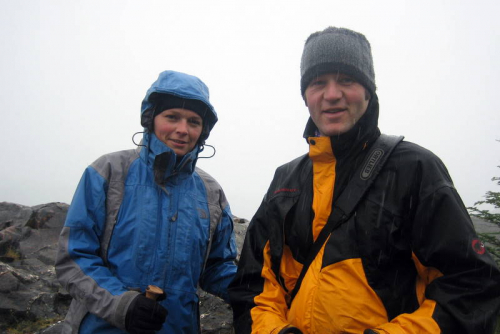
[193, 231]
[135, 233]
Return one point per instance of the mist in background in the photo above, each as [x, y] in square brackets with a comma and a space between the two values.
[73, 75]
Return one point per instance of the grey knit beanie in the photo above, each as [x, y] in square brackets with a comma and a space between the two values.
[337, 50]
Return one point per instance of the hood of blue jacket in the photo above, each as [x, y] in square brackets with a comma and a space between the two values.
[180, 85]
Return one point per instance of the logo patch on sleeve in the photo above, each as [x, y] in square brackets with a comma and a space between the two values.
[478, 246]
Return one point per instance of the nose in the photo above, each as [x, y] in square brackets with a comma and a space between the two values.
[332, 91]
[182, 127]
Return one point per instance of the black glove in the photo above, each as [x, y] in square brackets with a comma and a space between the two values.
[144, 316]
[290, 330]
[370, 331]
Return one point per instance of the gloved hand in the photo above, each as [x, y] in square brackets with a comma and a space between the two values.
[290, 330]
[144, 316]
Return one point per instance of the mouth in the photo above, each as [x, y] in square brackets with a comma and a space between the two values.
[334, 110]
[178, 142]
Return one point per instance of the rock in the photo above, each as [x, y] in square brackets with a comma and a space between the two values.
[28, 286]
[12, 218]
[483, 226]
[15, 213]
[8, 283]
[29, 290]
[240, 229]
[217, 316]
[45, 225]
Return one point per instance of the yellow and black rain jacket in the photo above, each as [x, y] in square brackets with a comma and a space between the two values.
[407, 261]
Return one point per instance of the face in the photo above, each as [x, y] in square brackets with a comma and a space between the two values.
[179, 129]
[336, 102]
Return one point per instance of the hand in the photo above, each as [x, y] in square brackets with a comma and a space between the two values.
[144, 316]
[290, 330]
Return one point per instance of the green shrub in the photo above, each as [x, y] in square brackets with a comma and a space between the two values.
[492, 240]
[29, 327]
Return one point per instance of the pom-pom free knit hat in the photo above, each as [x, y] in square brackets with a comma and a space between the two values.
[166, 101]
[337, 50]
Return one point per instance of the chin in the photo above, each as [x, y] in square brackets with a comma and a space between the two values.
[335, 132]
[331, 133]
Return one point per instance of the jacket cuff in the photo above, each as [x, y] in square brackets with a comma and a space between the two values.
[121, 310]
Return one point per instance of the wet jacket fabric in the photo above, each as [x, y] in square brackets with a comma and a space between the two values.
[142, 217]
[407, 261]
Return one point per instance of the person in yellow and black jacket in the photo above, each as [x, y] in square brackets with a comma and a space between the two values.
[408, 260]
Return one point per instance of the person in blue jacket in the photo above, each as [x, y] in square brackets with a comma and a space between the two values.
[148, 216]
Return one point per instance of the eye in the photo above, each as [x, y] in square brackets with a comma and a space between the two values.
[171, 117]
[345, 80]
[195, 121]
[317, 82]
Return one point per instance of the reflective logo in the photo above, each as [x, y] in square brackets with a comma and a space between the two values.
[478, 246]
[288, 190]
[367, 171]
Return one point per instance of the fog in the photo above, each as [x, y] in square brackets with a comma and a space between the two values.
[73, 75]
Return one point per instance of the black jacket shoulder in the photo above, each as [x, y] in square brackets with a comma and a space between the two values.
[411, 160]
[290, 177]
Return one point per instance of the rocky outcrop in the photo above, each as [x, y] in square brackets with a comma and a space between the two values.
[217, 316]
[28, 286]
[29, 290]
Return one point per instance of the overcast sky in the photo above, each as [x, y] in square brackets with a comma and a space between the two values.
[73, 75]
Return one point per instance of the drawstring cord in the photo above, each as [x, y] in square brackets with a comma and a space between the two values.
[203, 147]
[133, 140]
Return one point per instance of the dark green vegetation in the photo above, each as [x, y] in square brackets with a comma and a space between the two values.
[30, 327]
[492, 240]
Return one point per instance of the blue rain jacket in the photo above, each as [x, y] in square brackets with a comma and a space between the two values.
[125, 231]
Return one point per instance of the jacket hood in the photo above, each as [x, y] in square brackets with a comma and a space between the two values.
[179, 85]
